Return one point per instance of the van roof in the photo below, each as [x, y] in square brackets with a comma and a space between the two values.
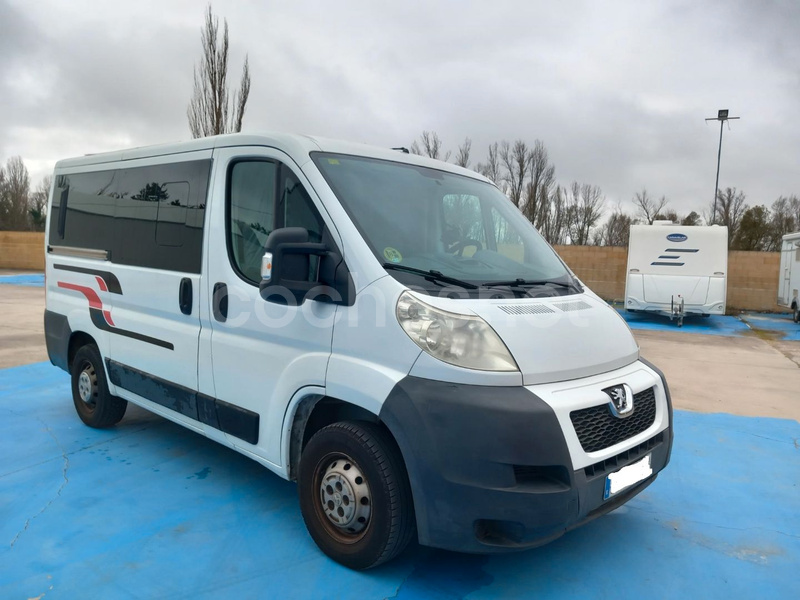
[293, 144]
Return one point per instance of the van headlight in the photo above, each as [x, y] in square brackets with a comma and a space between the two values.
[462, 340]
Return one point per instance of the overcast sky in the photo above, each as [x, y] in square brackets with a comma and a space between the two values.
[617, 91]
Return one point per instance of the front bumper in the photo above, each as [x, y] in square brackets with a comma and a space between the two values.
[491, 468]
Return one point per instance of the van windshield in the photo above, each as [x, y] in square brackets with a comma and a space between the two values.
[434, 228]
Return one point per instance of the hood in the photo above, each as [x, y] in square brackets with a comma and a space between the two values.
[559, 338]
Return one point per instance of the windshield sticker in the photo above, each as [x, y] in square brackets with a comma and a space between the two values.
[333, 161]
[392, 255]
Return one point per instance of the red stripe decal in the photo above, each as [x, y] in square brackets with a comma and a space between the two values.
[101, 282]
[91, 295]
[107, 315]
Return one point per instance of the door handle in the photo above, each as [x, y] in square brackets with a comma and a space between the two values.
[220, 302]
[185, 296]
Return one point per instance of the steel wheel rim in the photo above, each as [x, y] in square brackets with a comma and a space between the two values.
[344, 498]
[87, 385]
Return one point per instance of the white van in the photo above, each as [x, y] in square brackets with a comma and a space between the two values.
[789, 278]
[385, 329]
[677, 270]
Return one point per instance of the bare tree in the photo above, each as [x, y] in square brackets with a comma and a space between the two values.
[462, 156]
[540, 185]
[492, 169]
[555, 224]
[37, 205]
[647, 207]
[784, 218]
[731, 207]
[516, 160]
[209, 109]
[585, 209]
[431, 146]
[14, 190]
[615, 231]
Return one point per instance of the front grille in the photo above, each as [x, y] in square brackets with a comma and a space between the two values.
[631, 455]
[597, 428]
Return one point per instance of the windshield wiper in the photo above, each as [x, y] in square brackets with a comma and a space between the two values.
[432, 275]
[525, 282]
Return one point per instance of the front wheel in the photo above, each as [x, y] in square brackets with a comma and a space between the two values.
[354, 494]
[95, 405]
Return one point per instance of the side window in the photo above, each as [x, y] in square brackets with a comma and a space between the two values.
[462, 226]
[298, 210]
[172, 211]
[162, 208]
[144, 216]
[251, 213]
[509, 242]
[85, 214]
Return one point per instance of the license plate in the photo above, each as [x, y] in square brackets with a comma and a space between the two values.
[627, 476]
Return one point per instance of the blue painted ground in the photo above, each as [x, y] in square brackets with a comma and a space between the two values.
[30, 279]
[711, 325]
[151, 510]
[779, 323]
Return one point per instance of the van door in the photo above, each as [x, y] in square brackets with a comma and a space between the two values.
[261, 352]
[155, 319]
[787, 257]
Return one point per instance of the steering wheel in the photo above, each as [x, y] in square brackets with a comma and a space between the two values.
[458, 247]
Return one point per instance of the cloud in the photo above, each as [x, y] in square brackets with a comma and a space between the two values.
[618, 92]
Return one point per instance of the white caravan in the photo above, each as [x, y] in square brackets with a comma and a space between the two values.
[386, 329]
[677, 270]
[789, 277]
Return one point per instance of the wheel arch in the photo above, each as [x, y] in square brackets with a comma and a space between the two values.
[77, 340]
[315, 411]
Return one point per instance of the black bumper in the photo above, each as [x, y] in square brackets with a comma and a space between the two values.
[490, 470]
[57, 334]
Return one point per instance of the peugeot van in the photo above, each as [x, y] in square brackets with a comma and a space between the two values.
[387, 330]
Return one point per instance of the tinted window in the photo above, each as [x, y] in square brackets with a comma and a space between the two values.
[145, 216]
[251, 201]
[161, 210]
[88, 219]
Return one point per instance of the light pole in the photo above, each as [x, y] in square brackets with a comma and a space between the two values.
[722, 116]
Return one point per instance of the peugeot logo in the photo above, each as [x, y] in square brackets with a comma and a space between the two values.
[677, 237]
[621, 400]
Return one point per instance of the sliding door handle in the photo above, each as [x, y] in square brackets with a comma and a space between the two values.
[220, 302]
[185, 296]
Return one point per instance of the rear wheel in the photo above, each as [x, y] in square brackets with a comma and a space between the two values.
[354, 494]
[94, 403]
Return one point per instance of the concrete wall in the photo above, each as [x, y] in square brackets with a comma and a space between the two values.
[22, 250]
[752, 276]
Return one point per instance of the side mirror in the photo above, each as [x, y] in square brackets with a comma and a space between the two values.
[288, 272]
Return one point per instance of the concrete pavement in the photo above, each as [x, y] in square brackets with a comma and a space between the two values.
[21, 325]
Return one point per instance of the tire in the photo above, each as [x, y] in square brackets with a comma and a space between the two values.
[95, 405]
[796, 314]
[358, 460]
